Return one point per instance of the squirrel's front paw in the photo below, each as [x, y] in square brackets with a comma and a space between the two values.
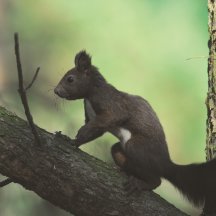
[74, 143]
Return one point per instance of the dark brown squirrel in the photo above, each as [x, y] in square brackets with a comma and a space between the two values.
[142, 150]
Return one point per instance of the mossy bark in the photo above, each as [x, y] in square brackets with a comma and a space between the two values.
[211, 97]
[68, 177]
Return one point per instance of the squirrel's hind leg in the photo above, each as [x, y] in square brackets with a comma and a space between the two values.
[119, 156]
[135, 183]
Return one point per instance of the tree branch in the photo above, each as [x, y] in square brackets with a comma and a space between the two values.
[5, 182]
[22, 90]
[68, 177]
[33, 79]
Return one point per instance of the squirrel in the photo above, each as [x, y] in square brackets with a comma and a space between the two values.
[142, 150]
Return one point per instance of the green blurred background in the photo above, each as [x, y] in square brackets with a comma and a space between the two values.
[140, 46]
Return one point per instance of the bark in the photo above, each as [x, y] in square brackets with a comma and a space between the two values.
[211, 97]
[68, 177]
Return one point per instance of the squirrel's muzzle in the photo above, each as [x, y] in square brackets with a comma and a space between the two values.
[57, 91]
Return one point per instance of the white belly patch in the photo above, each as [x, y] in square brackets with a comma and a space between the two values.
[124, 135]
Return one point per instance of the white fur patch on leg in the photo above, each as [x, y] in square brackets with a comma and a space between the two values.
[124, 135]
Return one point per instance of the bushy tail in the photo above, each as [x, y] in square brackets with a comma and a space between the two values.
[197, 182]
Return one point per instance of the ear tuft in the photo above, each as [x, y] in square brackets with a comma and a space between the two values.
[82, 60]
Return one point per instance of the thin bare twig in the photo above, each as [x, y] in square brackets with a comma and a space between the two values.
[196, 57]
[22, 90]
[33, 80]
[5, 182]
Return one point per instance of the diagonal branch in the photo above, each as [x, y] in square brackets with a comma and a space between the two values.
[68, 177]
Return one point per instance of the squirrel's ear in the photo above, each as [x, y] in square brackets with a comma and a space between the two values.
[82, 61]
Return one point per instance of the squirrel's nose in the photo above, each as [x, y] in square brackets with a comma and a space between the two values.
[56, 91]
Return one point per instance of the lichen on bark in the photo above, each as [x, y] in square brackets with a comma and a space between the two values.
[211, 96]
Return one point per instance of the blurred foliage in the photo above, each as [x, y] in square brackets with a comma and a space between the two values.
[140, 46]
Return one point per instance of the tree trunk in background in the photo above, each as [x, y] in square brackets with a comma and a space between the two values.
[211, 96]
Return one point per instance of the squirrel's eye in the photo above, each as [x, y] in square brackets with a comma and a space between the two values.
[70, 79]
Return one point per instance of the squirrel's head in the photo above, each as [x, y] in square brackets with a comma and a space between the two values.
[77, 82]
